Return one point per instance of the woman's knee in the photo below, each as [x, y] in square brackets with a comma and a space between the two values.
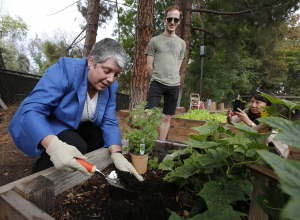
[72, 138]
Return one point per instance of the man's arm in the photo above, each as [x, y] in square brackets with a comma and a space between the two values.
[180, 62]
[150, 61]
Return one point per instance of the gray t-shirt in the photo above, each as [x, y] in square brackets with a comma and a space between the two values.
[167, 51]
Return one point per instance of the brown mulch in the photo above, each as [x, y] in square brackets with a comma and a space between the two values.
[14, 164]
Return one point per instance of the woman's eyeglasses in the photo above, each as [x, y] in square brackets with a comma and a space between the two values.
[176, 20]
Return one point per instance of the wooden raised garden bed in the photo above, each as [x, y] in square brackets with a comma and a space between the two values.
[180, 128]
[32, 197]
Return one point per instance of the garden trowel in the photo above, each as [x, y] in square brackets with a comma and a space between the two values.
[93, 169]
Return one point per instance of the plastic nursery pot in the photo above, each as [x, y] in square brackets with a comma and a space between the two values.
[221, 106]
[140, 162]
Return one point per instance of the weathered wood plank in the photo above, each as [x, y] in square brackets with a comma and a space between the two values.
[163, 147]
[15, 207]
[39, 191]
[176, 138]
[256, 212]
[183, 131]
[65, 180]
[262, 170]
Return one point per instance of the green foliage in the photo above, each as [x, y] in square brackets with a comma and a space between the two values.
[153, 163]
[272, 201]
[14, 30]
[204, 115]
[144, 132]
[232, 184]
[127, 27]
[289, 178]
[229, 181]
[105, 13]
[13, 58]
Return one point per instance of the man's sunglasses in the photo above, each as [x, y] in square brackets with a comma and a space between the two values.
[176, 20]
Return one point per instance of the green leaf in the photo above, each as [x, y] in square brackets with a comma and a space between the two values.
[208, 128]
[166, 165]
[195, 137]
[246, 129]
[174, 216]
[228, 214]
[291, 210]
[289, 178]
[211, 158]
[271, 201]
[289, 130]
[202, 145]
[239, 139]
[199, 206]
[276, 100]
[218, 213]
[185, 170]
[215, 197]
[246, 186]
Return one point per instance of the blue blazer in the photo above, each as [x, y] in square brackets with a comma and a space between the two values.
[57, 103]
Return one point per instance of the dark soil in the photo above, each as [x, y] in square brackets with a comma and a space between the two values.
[97, 199]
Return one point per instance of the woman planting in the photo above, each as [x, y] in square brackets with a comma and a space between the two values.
[71, 111]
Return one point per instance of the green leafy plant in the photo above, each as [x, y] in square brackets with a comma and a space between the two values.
[225, 187]
[204, 115]
[153, 163]
[143, 123]
[210, 159]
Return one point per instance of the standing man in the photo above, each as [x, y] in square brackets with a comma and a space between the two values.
[165, 53]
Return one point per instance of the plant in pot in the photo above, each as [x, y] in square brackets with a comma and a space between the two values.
[142, 134]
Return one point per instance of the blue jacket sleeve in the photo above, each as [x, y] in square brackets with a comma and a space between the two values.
[44, 97]
[109, 123]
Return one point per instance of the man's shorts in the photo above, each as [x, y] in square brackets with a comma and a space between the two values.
[170, 93]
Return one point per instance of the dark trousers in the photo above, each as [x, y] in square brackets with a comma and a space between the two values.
[86, 138]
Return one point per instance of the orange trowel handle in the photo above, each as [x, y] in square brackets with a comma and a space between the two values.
[90, 167]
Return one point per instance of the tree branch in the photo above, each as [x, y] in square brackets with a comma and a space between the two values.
[206, 31]
[73, 43]
[64, 8]
[249, 7]
[222, 13]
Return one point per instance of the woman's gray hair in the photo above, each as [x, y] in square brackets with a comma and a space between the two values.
[107, 48]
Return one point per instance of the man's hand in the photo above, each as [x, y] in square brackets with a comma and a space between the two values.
[64, 156]
[122, 164]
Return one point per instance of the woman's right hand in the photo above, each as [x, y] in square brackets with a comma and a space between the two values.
[229, 115]
[64, 156]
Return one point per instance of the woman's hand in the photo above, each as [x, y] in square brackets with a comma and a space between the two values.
[229, 116]
[64, 156]
[244, 117]
[123, 164]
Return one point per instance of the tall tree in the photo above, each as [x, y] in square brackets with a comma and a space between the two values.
[144, 33]
[185, 35]
[91, 26]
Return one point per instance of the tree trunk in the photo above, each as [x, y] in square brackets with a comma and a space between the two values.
[186, 36]
[144, 33]
[2, 65]
[91, 26]
[179, 28]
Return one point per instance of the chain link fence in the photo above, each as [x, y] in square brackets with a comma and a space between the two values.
[16, 86]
